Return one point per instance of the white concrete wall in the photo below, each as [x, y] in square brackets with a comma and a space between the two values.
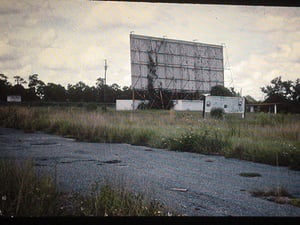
[126, 104]
[229, 104]
[188, 105]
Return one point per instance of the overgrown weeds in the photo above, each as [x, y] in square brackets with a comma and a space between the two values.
[23, 193]
[203, 141]
[263, 138]
[279, 195]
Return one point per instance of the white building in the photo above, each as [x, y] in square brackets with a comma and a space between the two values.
[188, 105]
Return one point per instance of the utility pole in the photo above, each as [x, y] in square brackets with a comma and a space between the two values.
[105, 69]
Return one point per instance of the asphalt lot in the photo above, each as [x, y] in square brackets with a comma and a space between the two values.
[192, 184]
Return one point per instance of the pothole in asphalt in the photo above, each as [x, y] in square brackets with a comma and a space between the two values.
[44, 143]
[38, 164]
[209, 160]
[112, 161]
[77, 160]
[42, 159]
[250, 175]
[80, 152]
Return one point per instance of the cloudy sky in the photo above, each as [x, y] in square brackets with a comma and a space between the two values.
[67, 41]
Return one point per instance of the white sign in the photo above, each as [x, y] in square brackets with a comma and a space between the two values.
[14, 98]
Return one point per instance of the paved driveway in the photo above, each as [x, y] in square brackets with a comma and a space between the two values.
[192, 184]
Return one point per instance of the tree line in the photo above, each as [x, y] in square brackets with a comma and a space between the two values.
[37, 90]
[278, 90]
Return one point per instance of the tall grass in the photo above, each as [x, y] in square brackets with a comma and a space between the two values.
[23, 193]
[260, 137]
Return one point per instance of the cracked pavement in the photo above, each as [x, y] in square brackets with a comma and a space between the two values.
[192, 184]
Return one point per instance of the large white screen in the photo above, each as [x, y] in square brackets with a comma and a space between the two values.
[176, 65]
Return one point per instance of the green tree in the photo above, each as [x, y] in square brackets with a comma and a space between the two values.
[250, 99]
[296, 92]
[54, 92]
[76, 92]
[36, 86]
[19, 80]
[5, 87]
[220, 90]
[18, 88]
[286, 89]
[125, 93]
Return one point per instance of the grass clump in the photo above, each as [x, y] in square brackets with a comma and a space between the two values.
[23, 193]
[91, 107]
[278, 192]
[295, 202]
[217, 113]
[118, 202]
[279, 195]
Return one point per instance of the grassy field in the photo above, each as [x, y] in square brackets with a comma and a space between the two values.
[265, 138]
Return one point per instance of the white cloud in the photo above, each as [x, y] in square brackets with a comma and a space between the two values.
[92, 57]
[111, 15]
[67, 41]
[58, 59]
[258, 70]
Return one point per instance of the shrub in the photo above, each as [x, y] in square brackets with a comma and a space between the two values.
[91, 107]
[143, 106]
[119, 202]
[205, 142]
[217, 113]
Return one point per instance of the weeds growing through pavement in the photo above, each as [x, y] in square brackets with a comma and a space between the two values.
[279, 195]
[23, 193]
[263, 138]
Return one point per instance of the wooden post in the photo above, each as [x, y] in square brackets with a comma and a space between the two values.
[133, 99]
[105, 69]
[244, 114]
[161, 99]
[132, 112]
[204, 107]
